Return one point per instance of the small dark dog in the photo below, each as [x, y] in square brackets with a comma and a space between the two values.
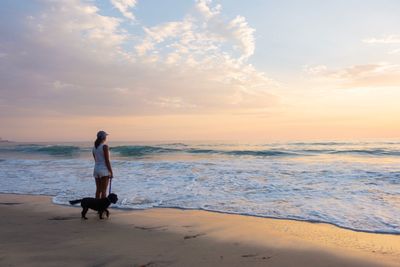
[99, 205]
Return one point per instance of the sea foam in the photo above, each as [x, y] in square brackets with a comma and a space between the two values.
[338, 183]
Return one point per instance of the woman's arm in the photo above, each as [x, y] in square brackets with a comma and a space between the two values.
[107, 158]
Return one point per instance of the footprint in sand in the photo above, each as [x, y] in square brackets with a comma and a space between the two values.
[249, 255]
[10, 203]
[155, 263]
[255, 255]
[162, 227]
[192, 236]
[58, 218]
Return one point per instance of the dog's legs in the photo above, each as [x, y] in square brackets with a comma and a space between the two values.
[101, 214]
[107, 213]
[84, 211]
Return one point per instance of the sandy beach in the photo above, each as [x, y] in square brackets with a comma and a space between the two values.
[36, 232]
[235, 133]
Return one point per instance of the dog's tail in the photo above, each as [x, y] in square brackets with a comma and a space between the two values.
[73, 202]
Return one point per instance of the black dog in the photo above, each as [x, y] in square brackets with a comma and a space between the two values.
[99, 205]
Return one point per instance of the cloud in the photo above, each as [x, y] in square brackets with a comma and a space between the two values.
[123, 6]
[236, 30]
[367, 75]
[315, 70]
[388, 39]
[70, 59]
[204, 7]
[200, 36]
[395, 51]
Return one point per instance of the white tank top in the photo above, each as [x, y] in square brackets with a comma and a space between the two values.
[99, 157]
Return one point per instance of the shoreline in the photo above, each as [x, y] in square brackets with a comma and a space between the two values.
[239, 214]
[176, 237]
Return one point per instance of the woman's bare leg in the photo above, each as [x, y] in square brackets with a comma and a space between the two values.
[103, 186]
[98, 188]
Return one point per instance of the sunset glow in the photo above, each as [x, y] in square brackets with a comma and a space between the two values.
[199, 70]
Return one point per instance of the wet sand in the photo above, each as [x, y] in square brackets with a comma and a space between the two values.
[35, 232]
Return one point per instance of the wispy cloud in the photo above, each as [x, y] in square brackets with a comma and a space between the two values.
[395, 51]
[204, 7]
[200, 37]
[367, 75]
[387, 39]
[391, 41]
[70, 55]
[124, 7]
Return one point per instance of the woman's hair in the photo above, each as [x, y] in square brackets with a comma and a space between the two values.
[98, 142]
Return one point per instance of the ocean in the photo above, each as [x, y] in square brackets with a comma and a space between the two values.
[354, 185]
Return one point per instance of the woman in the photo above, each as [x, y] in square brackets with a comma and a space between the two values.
[102, 167]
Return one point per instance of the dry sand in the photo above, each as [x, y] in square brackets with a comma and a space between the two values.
[35, 232]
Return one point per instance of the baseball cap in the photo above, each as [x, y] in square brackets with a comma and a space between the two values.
[101, 134]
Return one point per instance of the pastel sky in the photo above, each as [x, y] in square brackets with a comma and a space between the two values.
[150, 70]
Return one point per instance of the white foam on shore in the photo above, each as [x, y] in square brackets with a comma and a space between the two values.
[357, 194]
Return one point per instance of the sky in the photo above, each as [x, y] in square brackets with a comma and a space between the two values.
[159, 70]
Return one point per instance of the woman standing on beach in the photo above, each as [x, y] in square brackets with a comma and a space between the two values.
[102, 168]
